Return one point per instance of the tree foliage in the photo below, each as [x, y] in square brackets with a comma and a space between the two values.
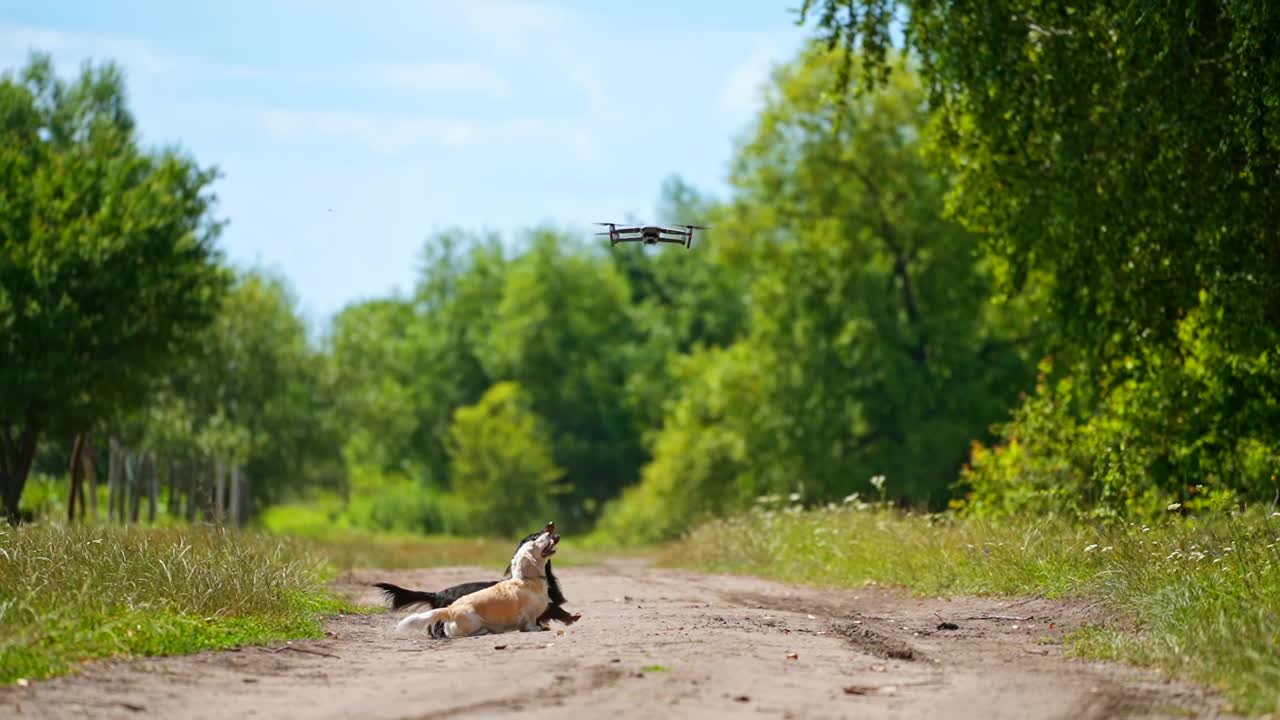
[872, 342]
[1127, 157]
[909, 230]
[108, 268]
[559, 320]
[256, 391]
[501, 463]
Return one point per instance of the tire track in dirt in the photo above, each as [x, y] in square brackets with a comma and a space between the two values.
[651, 642]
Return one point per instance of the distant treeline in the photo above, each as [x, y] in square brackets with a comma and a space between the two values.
[973, 278]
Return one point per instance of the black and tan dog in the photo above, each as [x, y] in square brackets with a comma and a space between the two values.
[515, 603]
[401, 597]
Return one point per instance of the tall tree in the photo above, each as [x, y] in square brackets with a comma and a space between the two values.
[500, 462]
[258, 372]
[1130, 149]
[680, 301]
[556, 326]
[875, 344]
[1129, 154]
[892, 354]
[108, 267]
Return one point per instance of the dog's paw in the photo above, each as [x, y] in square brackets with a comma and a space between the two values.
[573, 618]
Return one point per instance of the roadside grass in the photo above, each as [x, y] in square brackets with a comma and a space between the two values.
[1197, 597]
[69, 594]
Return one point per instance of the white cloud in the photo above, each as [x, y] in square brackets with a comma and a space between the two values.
[588, 81]
[743, 91]
[380, 132]
[439, 77]
[510, 26]
[134, 56]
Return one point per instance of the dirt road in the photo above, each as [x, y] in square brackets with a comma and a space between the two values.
[651, 644]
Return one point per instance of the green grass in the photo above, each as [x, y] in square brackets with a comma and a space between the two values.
[71, 594]
[1197, 597]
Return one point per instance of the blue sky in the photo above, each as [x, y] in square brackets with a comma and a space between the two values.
[348, 133]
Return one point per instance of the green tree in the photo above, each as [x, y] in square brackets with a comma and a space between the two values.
[875, 344]
[108, 268]
[714, 451]
[557, 329]
[258, 372]
[1125, 157]
[892, 354]
[400, 367]
[501, 464]
[680, 300]
[1130, 150]
[456, 305]
[371, 372]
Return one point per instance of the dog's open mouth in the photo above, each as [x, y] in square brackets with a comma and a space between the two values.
[550, 550]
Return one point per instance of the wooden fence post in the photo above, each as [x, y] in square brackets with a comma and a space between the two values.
[133, 472]
[171, 480]
[208, 488]
[246, 499]
[153, 486]
[77, 487]
[233, 505]
[219, 491]
[115, 492]
[91, 470]
[192, 470]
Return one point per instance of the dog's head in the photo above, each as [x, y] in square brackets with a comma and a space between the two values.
[534, 552]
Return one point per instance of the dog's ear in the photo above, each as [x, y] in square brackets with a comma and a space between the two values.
[506, 571]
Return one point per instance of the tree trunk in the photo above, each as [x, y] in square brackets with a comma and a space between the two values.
[113, 480]
[171, 471]
[246, 499]
[219, 491]
[233, 505]
[77, 482]
[91, 470]
[153, 486]
[193, 469]
[15, 465]
[134, 482]
[210, 486]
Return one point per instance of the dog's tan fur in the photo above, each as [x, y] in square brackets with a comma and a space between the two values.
[513, 604]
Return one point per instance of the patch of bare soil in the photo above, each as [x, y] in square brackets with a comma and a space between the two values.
[651, 643]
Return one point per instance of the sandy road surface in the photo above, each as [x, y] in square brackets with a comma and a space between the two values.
[651, 644]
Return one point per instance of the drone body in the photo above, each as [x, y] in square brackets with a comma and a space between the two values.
[651, 234]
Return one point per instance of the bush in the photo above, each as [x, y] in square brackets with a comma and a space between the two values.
[501, 467]
[710, 457]
[1199, 428]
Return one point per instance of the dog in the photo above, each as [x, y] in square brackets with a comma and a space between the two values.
[512, 604]
[401, 597]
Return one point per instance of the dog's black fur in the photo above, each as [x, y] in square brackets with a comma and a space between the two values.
[401, 597]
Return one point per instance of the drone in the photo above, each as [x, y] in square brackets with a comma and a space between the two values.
[651, 234]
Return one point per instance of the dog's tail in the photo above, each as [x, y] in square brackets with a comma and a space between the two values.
[433, 620]
[401, 597]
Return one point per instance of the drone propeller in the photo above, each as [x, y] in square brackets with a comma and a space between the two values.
[698, 227]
